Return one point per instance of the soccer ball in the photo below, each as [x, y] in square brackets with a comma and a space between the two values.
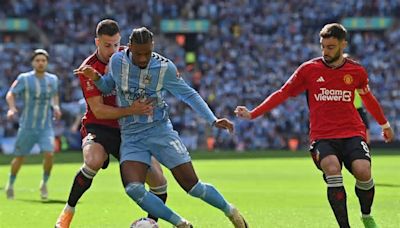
[144, 223]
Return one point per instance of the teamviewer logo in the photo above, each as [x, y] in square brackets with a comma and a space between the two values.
[333, 95]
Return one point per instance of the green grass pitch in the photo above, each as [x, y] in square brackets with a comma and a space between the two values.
[272, 189]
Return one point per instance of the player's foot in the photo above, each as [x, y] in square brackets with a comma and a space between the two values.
[43, 191]
[369, 222]
[237, 219]
[184, 224]
[9, 192]
[65, 218]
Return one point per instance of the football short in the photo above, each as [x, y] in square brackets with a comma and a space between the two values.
[108, 137]
[27, 138]
[161, 141]
[346, 150]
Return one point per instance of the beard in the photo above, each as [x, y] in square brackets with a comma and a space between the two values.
[333, 59]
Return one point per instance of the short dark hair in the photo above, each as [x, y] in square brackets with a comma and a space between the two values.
[39, 51]
[335, 30]
[107, 27]
[140, 36]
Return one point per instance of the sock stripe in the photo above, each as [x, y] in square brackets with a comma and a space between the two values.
[88, 172]
[365, 185]
[334, 181]
[159, 190]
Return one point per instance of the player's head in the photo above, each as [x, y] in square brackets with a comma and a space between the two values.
[40, 59]
[141, 46]
[333, 42]
[108, 38]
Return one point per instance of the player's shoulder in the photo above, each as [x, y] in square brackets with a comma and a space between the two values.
[311, 64]
[159, 58]
[25, 74]
[91, 60]
[354, 63]
[51, 76]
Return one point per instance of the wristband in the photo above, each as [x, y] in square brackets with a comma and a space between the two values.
[386, 125]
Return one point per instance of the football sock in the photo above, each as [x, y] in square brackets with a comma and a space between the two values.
[151, 203]
[210, 195]
[11, 180]
[45, 177]
[82, 182]
[160, 192]
[337, 199]
[365, 191]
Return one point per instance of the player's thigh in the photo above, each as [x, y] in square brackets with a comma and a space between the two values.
[327, 156]
[133, 171]
[46, 141]
[357, 157]
[25, 140]
[167, 146]
[94, 155]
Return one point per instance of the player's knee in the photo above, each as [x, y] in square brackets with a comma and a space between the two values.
[136, 191]
[199, 190]
[332, 170]
[159, 190]
[88, 171]
[94, 163]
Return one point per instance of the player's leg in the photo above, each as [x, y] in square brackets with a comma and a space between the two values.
[359, 163]
[171, 152]
[157, 182]
[24, 143]
[46, 144]
[330, 164]
[135, 161]
[47, 166]
[94, 158]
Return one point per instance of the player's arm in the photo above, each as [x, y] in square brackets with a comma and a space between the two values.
[56, 107]
[372, 105]
[16, 88]
[174, 83]
[293, 86]
[103, 111]
[104, 83]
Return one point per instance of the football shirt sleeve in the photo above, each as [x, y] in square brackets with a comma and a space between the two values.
[18, 85]
[293, 86]
[174, 83]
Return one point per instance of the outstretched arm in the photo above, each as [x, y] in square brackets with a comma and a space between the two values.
[373, 107]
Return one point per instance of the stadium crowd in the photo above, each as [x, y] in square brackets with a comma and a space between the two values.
[251, 49]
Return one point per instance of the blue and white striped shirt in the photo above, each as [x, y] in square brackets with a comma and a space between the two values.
[37, 94]
[133, 83]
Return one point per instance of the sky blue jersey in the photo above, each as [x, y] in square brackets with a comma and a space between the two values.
[133, 83]
[37, 95]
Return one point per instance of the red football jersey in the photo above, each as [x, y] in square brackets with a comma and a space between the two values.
[90, 90]
[330, 95]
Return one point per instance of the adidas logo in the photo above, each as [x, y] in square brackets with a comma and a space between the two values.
[320, 79]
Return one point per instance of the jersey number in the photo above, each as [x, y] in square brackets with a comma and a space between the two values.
[179, 147]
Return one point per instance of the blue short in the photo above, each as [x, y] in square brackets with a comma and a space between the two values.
[27, 138]
[161, 141]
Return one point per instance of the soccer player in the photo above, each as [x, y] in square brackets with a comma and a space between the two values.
[39, 91]
[141, 74]
[336, 129]
[100, 129]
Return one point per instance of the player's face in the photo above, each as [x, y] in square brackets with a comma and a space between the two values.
[332, 49]
[39, 63]
[107, 45]
[141, 53]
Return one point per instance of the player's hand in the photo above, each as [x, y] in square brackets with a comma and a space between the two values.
[388, 134]
[88, 72]
[224, 123]
[142, 107]
[57, 113]
[242, 112]
[12, 113]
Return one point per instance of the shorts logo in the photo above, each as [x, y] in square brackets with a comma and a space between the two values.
[348, 79]
[91, 136]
